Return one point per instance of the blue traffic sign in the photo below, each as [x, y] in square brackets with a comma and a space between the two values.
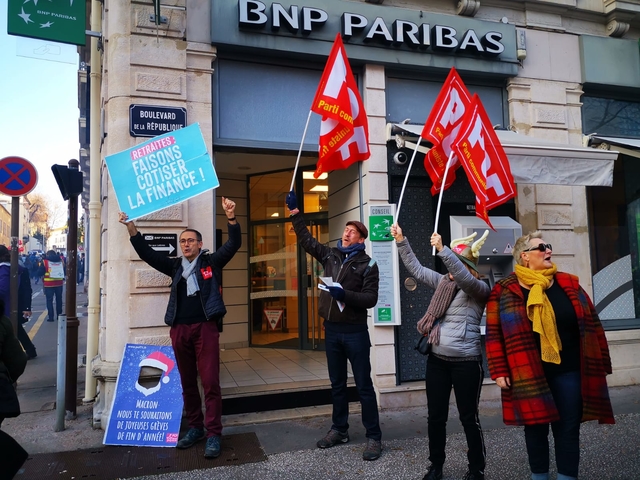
[18, 176]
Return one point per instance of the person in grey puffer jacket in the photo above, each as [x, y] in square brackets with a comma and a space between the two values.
[452, 323]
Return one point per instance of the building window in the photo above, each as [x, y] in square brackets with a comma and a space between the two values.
[614, 216]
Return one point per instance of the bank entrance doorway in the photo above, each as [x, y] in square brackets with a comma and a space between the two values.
[283, 281]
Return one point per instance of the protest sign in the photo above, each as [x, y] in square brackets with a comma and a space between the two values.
[163, 171]
[146, 413]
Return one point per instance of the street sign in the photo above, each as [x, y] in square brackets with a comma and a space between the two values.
[58, 21]
[166, 243]
[154, 120]
[18, 176]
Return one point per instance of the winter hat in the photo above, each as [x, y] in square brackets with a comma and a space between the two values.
[159, 360]
[467, 250]
[360, 227]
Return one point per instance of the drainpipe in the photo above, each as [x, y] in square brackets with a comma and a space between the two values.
[95, 163]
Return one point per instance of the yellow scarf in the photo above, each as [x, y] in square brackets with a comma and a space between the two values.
[540, 311]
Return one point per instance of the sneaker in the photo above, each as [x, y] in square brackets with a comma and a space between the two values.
[193, 436]
[474, 476]
[212, 449]
[434, 473]
[372, 450]
[333, 437]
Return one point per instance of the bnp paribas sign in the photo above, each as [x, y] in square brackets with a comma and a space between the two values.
[56, 20]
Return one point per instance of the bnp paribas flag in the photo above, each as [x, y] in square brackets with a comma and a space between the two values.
[56, 20]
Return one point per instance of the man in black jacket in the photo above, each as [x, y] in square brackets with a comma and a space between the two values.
[194, 313]
[344, 309]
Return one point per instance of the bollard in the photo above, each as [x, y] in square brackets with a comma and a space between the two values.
[60, 379]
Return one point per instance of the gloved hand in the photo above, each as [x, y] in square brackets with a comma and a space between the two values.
[291, 200]
[337, 293]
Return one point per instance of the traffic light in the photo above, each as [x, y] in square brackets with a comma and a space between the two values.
[69, 179]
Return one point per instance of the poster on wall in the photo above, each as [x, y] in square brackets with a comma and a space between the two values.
[161, 172]
[383, 251]
[146, 413]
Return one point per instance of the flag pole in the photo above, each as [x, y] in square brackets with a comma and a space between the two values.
[304, 134]
[444, 182]
[406, 177]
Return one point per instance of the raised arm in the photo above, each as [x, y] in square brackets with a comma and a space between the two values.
[416, 269]
[160, 262]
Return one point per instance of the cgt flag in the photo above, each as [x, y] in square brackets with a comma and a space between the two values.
[441, 129]
[484, 160]
[344, 131]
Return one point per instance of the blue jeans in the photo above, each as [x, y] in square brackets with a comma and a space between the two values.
[354, 347]
[567, 396]
[49, 292]
[466, 380]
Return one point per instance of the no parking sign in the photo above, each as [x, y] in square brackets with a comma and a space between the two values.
[18, 176]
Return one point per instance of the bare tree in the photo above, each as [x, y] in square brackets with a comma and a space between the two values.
[44, 215]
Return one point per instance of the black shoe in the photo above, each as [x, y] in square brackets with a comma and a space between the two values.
[434, 473]
[474, 476]
[333, 437]
[31, 356]
[50, 320]
[193, 436]
[212, 449]
[373, 450]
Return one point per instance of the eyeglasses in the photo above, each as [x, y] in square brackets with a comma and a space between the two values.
[190, 241]
[542, 247]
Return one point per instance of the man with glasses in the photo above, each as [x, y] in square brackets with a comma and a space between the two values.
[194, 313]
[343, 306]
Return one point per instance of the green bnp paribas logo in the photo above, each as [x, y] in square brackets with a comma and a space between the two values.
[380, 228]
[56, 20]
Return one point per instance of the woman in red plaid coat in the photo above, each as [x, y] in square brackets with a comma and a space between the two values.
[548, 353]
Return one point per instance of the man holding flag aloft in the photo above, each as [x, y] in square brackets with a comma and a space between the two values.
[353, 287]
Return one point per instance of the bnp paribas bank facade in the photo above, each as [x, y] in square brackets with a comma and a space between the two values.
[560, 81]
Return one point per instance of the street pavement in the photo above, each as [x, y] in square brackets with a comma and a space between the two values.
[288, 437]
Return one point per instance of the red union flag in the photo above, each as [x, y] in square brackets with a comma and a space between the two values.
[484, 160]
[344, 131]
[441, 129]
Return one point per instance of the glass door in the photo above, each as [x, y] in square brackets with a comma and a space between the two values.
[315, 333]
[283, 278]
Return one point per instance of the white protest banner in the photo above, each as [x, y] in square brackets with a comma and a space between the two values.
[163, 171]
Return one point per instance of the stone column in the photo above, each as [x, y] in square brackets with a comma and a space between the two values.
[154, 65]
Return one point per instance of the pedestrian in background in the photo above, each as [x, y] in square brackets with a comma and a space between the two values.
[81, 269]
[452, 324]
[12, 364]
[194, 313]
[24, 298]
[54, 274]
[548, 353]
[344, 310]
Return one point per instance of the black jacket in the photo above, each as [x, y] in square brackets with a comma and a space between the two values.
[358, 277]
[210, 288]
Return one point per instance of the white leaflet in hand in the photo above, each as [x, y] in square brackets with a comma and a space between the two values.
[327, 281]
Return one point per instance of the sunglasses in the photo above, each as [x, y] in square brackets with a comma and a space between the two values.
[542, 247]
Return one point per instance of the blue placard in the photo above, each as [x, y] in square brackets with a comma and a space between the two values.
[161, 172]
[144, 414]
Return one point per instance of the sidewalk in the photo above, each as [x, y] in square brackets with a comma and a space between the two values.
[288, 438]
